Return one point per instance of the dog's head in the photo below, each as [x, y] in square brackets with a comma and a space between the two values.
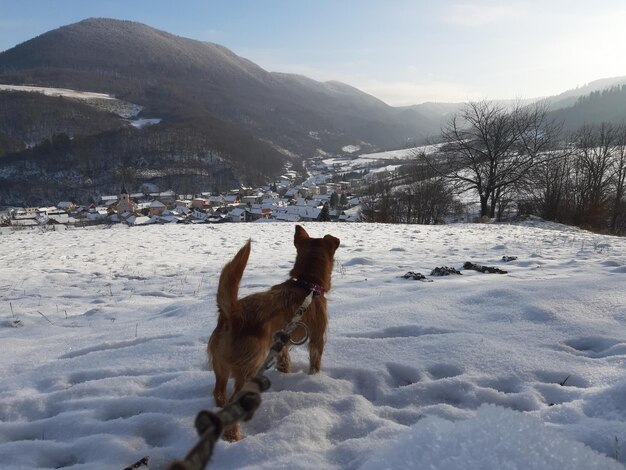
[315, 257]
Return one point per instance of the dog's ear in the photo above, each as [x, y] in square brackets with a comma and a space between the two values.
[300, 235]
[334, 241]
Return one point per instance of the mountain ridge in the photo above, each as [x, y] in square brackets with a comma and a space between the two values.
[228, 86]
[218, 113]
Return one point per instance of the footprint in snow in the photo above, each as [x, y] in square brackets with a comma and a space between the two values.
[596, 347]
[406, 331]
[402, 375]
[359, 262]
[444, 371]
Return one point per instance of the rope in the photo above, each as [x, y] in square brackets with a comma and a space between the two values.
[210, 425]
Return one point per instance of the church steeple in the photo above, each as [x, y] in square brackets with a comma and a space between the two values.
[123, 203]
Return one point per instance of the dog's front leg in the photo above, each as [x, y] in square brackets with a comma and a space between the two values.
[316, 349]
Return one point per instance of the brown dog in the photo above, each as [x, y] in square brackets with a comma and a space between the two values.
[240, 342]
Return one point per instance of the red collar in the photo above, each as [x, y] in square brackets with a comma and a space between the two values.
[318, 290]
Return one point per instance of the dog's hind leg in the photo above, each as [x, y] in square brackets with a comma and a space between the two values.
[284, 361]
[233, 433]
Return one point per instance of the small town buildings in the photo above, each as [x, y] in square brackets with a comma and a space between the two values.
[23, 218]
[217, 200]
[166, 197]
[345, 186]
[253, 198]
[108, 199]
[237, 215]
[293, 193]
[232, 199]
[141, 220]
[200, 203]
[66, 205]
[304, 213]
[183, 202]
[156, 208]
[282, 201]
[333, 188]
[285, 217]
[258, 213]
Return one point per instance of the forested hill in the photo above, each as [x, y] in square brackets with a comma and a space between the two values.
[177, 78]
[608, 105]
[222, 120]
[30, 118]
[220, 113]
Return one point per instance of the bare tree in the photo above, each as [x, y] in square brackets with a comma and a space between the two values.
[415, 195]
[548, 189]
[489, 147]
[583, 184]
[378, 202]
[618, 216]
[595, 148]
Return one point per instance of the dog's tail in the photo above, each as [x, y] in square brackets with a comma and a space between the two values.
[228, 287]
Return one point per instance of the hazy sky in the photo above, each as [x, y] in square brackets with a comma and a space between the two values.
[401, 51]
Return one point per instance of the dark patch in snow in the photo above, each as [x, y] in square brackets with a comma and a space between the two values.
[444, 271]
[416, 276]
[483, 269]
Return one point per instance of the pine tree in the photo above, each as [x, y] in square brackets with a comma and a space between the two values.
[343, 201]
[324, 214]
[334, 200]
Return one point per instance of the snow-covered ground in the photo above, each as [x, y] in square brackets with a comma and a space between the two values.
[65, 92]
[103, 335]
[103, 101]
[139, 123]
[376, 162]
[402, 154]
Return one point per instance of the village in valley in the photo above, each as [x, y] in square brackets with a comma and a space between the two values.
[317, 198]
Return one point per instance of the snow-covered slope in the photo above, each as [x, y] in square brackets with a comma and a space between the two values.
[519, 370]
[99, 100]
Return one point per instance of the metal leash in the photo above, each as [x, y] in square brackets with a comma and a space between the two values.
[210, 425]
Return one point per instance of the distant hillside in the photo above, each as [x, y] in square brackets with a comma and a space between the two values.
[222, 120]
[54, 148]
[568, 98]
[173, 76]
[210, 102]
[608, 105]
[29, 118]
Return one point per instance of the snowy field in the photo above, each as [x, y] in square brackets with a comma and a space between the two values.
[402, 154]
[104, 331]
[65, 92]
[100, 100]
[379, 161]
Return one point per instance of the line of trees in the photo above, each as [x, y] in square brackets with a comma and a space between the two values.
[511, 157]
[585, 184]
[416, 195]
[489, 149]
